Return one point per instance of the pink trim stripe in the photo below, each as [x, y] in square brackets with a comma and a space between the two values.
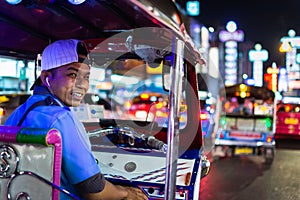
[54, 138]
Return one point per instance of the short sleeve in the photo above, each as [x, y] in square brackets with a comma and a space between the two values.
[78, 162]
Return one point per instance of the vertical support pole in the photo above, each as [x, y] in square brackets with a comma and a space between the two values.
[177, 73]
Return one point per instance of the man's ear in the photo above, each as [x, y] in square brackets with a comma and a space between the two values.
[44, 78]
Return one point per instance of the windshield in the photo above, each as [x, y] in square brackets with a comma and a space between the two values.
[288, 108]
[248, 106]
[127, 90]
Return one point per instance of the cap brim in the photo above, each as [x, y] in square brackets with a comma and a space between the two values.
[37, 82]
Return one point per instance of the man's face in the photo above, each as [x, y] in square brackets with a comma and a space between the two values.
[70, 83]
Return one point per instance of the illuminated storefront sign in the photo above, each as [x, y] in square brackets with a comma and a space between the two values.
[193, 8]
[237, 36]
[273, 72]
[231, 37]
[292, 59]
[258, 56]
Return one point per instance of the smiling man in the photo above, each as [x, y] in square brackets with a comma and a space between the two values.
[63, 82]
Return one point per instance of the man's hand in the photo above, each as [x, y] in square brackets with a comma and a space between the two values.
[117, 192]
[135, 193]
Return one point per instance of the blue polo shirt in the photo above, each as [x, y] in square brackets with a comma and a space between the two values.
[78, 162]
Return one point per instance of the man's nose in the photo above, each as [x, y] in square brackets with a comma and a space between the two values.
[81, 82]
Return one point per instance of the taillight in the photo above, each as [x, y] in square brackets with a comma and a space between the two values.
[203, 116]
[127, 104]
[269, 139]
[144, 96]
[221, 135]
[159, 105]
[288, 108]
[2, 112]
[181, 193]
[141, 114]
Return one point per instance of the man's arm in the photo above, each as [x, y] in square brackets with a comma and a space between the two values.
[117, 192]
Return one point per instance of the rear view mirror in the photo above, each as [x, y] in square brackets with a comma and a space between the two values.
[166, 74]
[205, 166]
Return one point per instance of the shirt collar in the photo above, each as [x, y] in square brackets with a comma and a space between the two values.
[43, 90]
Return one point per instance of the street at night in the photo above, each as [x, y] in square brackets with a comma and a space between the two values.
[248, 177]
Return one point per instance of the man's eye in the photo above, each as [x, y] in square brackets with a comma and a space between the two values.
[73, 75]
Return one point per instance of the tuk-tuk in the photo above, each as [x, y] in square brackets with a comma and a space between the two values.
[136, 46]
[246, 122]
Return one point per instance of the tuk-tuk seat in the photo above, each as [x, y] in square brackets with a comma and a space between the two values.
[30, 163]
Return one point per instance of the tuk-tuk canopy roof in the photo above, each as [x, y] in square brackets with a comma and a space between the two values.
[28, 27]
[250, 91]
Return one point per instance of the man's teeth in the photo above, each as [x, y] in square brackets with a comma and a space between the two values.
[77, 94]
